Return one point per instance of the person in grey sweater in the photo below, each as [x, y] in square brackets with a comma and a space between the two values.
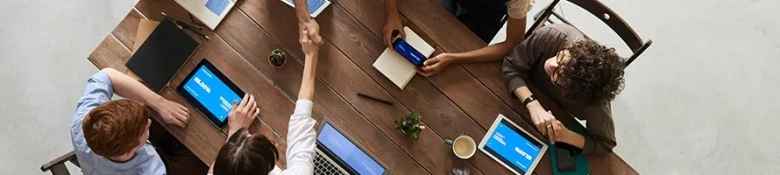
[577, 73]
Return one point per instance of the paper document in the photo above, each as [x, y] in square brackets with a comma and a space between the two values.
[395, 67]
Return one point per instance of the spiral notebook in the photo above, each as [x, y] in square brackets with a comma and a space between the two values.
[395, 67]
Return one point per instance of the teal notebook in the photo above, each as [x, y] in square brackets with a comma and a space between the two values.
[582, 160]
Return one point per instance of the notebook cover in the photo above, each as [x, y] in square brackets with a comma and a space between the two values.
[145, 28]
[161, 55]
[395, 67]
[582, 160]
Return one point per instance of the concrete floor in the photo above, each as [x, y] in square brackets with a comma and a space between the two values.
[699, 101]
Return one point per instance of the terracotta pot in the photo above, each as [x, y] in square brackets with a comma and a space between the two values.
[284, 57]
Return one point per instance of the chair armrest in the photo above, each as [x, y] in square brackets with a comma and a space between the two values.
[70, 156]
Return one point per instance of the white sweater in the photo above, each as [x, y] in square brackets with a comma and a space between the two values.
[301, 141]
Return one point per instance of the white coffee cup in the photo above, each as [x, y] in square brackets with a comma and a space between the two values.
[463, 146]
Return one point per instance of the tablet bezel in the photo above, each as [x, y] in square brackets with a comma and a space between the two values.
[492, 129]
[183, 92]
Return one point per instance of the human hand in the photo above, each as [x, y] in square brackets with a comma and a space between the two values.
[242, 114]
[559, 132]
[392, 23]
[308, 45]
[311, 29]
[543, 119]
[436, 64]
[171, 112]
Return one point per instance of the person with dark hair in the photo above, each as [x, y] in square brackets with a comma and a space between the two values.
[579, 74]
[483, 17]
[252, 153]
[112, 137]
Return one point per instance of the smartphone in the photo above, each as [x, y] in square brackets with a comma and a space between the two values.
[407, 51]
[567, 157]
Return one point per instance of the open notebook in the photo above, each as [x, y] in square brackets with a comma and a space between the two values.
[395, 67]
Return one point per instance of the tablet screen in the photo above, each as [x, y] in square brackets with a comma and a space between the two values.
[211, 92]
[513, 147]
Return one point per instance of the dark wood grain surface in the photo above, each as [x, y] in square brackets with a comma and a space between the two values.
[462, 100]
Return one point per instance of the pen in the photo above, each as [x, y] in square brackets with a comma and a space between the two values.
[180, 22]
[192, 27]
[375, 99]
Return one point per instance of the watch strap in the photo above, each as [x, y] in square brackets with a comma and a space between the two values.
[529, 99]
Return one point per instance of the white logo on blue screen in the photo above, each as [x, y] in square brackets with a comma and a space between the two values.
[211, 92]
[500, 138]
[203, 85]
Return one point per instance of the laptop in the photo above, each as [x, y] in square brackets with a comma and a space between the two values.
[337, 154]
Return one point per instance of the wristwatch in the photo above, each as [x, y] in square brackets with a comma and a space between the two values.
[528, 99]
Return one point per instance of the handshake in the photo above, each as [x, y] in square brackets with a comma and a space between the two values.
[309, 36]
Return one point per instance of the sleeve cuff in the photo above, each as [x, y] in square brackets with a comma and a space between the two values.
[518, 9]
[513, 84]
[303, 106]
[589, 146]
[101, 78]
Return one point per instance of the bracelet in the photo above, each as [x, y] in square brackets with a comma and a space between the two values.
[528, 99]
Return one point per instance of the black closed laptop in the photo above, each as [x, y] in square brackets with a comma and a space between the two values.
[161, 55]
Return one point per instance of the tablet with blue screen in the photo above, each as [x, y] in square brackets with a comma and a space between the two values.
[512, 146]
[210, 92]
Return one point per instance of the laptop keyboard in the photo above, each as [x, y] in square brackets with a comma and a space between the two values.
[323, 166]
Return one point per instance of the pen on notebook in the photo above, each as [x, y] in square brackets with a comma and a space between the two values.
[192, 27]
[375, 99]
[180, 22]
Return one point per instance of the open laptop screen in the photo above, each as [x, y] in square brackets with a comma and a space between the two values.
[347, 151]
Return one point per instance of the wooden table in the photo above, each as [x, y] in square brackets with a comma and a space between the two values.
[463, 99]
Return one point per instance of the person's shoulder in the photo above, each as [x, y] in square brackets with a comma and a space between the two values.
[148, 161]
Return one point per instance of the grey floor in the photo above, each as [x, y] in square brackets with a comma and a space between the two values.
[701, 100]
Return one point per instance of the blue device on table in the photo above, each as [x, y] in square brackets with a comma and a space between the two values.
[512, 146]
[408, 52]
[338, 154]
[211, 92]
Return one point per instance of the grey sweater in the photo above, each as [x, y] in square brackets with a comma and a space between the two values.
[525, 65]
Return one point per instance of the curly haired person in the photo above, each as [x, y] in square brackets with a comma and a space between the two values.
[578, 73]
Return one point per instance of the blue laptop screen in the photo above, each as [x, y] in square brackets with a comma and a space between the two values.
[313, 4]
[211, 92]
[513, 147]
[348, 152]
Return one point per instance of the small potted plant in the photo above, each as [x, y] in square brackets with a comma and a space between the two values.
[410, 125]
[277, 58]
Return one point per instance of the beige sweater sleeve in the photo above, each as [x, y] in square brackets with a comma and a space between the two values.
[517, 9]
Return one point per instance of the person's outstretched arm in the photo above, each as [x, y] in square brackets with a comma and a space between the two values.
[515, 32]
[306, 22]
[126, 86]
[301, 137]
[392, 23]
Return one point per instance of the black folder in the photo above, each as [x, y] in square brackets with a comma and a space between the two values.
[161, 55]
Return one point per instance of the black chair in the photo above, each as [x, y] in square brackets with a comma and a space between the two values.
[601, 11]
[57, 166]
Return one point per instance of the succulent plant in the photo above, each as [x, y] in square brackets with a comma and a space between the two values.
[410, 125]
[277, 58]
